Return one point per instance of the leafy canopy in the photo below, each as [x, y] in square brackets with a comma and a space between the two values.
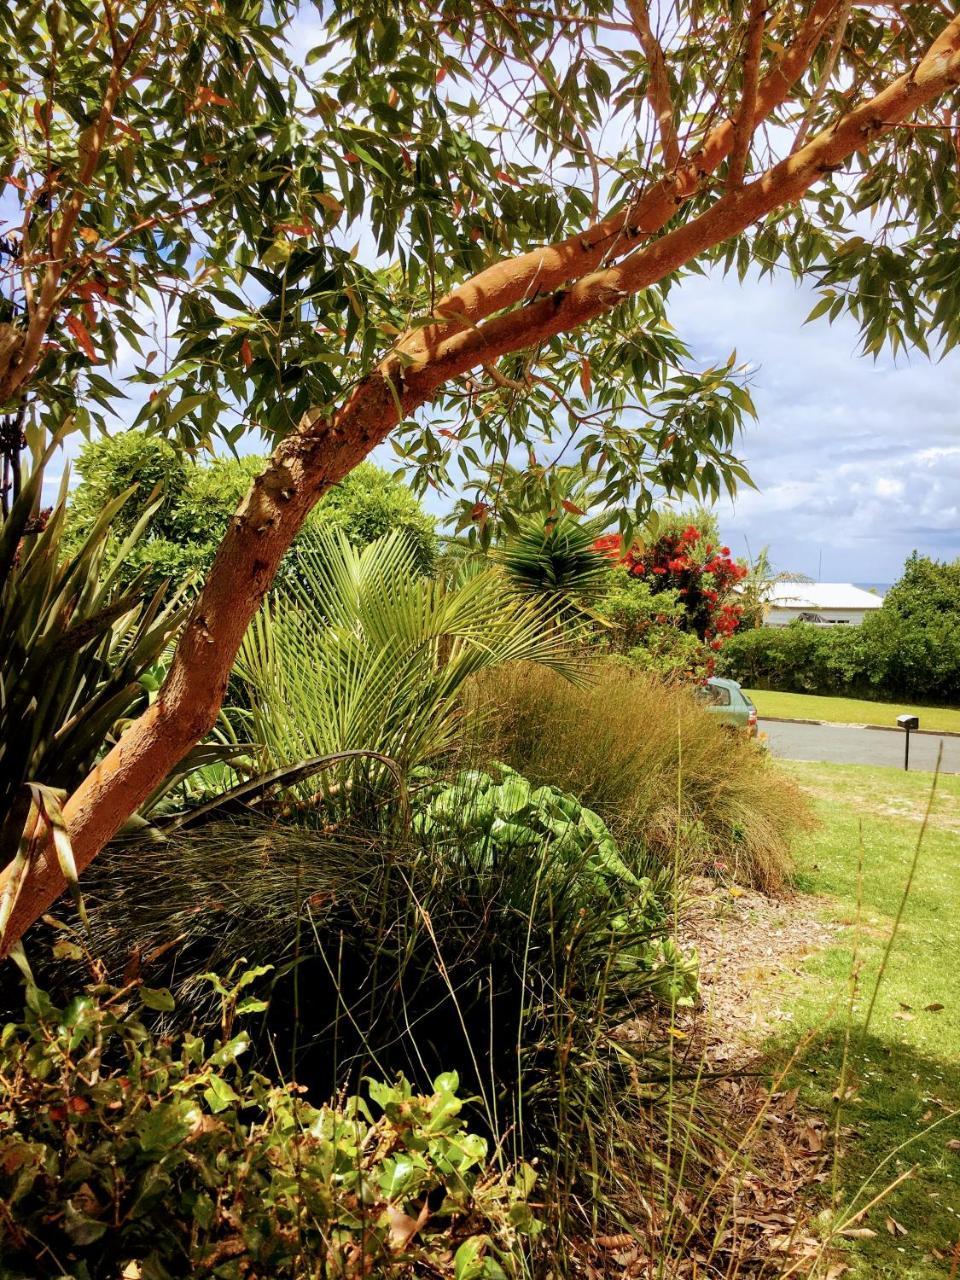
[256, 221]
[195, 502]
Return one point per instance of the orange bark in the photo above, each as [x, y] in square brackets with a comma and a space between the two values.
[321, 451]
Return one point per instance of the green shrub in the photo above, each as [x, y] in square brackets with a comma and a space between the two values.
[801, 658]
[491, 819]
[648, 629]
[659, 770]
[123, 1154]
[368, 504]
[417, 956]
[909, 648]
[197, 501]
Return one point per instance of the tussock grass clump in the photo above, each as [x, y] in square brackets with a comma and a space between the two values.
[657, 768]
[520, 964]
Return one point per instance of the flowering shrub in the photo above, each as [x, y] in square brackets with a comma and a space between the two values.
[648, 629]
[688, 562]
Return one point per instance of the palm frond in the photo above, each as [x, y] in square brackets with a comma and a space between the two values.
[360, 653]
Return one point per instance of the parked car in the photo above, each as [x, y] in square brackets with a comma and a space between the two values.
[727, 701]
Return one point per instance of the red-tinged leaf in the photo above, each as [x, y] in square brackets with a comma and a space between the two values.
[571, 508]
[88, 235]
[206, 97]
[150, 359]
[16, 182]
[129, 130]
[89, 289]
[507, 177]
[79, 331]
[441, 74]
[38, 116]
[586, 377]
[445, 431]
[246, 355]
[91, 315]
[351, 157]
[295, 228]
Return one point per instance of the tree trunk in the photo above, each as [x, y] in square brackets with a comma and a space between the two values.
[321, 451]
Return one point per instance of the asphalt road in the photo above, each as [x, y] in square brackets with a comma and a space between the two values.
[850, 744]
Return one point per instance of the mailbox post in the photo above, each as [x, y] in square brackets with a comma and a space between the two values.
[907, 724]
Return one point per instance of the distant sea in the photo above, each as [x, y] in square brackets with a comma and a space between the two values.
[881, 588]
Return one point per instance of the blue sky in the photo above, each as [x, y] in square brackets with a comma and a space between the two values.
[857, 462]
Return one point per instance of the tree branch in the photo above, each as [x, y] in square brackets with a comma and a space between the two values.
[322, 450]
[658, 91]
[506, 283]
[744, 125]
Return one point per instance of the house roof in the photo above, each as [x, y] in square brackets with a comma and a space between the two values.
[820, 595]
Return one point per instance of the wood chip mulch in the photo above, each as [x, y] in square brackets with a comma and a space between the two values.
[749, 1218]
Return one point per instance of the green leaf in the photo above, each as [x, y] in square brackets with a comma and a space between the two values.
[219, 1095]
[158, 998]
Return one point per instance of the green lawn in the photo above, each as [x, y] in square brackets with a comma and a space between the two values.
[904, 1070]
[804, 706]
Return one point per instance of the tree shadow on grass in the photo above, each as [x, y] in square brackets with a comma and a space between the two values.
[895, 1111]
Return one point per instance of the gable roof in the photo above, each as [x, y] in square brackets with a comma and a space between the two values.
[820, 595]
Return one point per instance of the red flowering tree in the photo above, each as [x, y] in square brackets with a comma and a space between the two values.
[687, 559]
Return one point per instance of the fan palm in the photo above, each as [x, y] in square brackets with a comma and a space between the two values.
[360, 653]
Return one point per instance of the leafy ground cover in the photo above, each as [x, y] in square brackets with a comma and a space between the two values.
[804, 706]
[900, 1111]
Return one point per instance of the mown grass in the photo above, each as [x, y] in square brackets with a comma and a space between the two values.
[903, 1072]
[805, 706]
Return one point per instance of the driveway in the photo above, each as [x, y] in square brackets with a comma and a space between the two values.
[851, 744]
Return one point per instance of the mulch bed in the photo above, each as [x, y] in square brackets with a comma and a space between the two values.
[748, 1220]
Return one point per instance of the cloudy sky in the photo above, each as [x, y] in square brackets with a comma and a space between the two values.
[856, 462]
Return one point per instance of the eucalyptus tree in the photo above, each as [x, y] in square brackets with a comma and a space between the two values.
[453, 224]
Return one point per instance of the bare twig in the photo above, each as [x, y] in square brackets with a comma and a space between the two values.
[829, 66]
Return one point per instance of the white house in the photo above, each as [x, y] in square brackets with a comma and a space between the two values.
[828, 604]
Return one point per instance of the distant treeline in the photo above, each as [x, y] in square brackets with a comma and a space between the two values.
[909, 648]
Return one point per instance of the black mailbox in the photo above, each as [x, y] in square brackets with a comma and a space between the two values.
[908, 723]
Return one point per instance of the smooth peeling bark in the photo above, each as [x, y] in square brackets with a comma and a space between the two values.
[785, 183]
[321, 451]
[513, 280]
[313, 459]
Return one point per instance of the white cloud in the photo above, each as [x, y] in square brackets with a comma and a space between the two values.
[857, 461]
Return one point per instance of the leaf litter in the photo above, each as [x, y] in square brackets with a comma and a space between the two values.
[750, 1216]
